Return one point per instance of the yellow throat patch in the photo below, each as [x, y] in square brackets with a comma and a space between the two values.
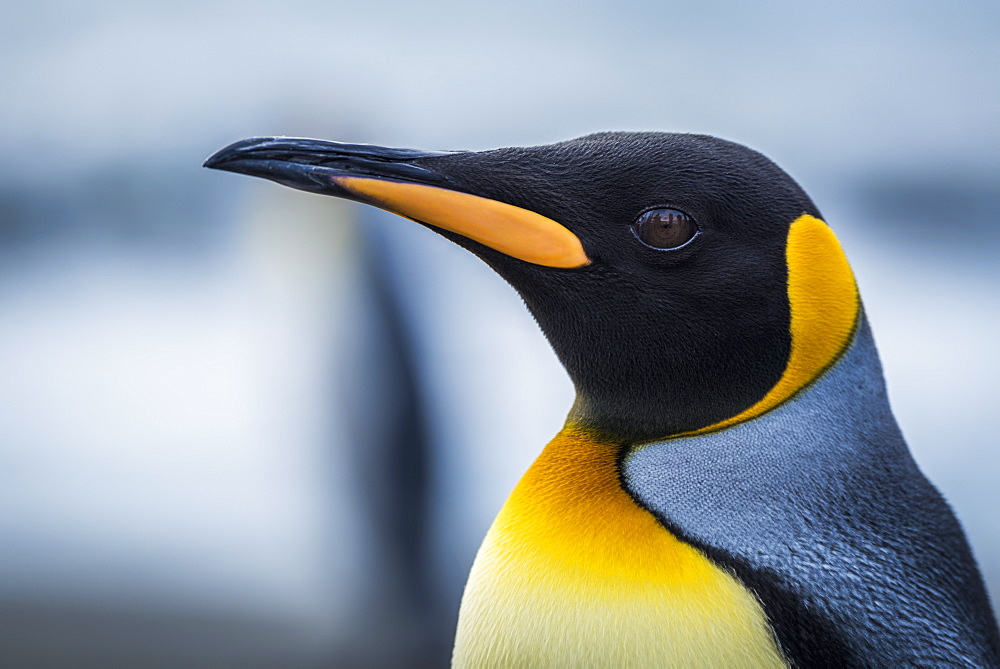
[574, 574]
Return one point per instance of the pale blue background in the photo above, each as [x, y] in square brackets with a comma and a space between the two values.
[190, 361]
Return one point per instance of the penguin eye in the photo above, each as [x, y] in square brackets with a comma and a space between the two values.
[665, 228]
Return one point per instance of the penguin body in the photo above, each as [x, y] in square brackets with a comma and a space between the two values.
[731, 488]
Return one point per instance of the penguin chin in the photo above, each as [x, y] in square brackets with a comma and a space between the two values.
[645, 368]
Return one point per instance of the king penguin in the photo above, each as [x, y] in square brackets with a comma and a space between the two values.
[730, 488]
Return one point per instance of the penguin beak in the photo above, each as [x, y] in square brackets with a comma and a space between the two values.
[393, 179]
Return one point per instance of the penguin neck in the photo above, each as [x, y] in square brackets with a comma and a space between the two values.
[645, 400]
[642, 398]
[641, 376]
[627, 419]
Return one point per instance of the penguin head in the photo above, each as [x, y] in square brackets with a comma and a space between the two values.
[685, 282]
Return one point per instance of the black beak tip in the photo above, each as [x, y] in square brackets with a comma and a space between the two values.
[235, 151]
[313, 165]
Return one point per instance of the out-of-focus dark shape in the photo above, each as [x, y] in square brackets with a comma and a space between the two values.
[404, 622]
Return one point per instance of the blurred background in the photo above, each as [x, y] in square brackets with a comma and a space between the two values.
[245, 426]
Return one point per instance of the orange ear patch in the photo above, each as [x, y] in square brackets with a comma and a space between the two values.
[824, 303]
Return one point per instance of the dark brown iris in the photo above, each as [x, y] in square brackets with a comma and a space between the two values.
[665, 228]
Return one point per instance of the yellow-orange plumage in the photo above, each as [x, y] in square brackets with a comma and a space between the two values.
[574, 573]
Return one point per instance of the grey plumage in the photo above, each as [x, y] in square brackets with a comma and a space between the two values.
[819, 506]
